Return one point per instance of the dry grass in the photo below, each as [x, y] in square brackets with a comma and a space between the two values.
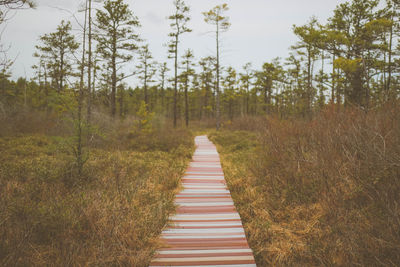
[111, 216]
[319, 193]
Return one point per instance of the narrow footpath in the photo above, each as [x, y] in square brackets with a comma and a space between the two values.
[206, 230]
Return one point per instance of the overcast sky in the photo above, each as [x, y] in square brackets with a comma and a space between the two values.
[261, 29]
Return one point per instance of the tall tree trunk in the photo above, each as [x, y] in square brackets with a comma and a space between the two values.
[218, 113]
[389, 81]
[367, 87]
[309, 83]
[113, 75]
[121, 102]
[266, 100]
[321, 92]
[89, 89]
[385, 84]
[206, 95]
[231, 109]
[338, 93]
[176, 82]
[146, 97]
[113, 85]
[94, 80]
[356, 96]
[79, 126]
[186, 102]
[186, 94]
[46, 90]
[247, 98]
[162, 92]
[255, 102]
[61, 85]
[333, 80]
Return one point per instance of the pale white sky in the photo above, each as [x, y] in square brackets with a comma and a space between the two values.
[261, 29]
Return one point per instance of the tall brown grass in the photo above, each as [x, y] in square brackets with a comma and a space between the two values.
[321, 192]
[110, 216]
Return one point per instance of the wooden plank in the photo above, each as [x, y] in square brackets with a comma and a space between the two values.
[206, 229]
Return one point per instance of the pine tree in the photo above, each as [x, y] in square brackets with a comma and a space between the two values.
[215, 17]
[246, 80]
[188, 71]
[163, 69]
[146, 69]
[116, 40]
[178, 24]
[207, 79]
[57, 50]
[309, 36]
[270, 73]
[230, 91]
[352, 19]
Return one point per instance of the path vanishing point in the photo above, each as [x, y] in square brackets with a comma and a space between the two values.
[206, 230]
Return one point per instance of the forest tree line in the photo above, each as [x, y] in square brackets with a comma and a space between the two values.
[352, 60]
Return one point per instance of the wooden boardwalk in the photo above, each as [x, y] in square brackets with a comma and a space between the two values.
[206, 230]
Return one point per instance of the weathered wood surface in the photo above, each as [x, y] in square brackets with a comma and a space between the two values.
[206, 230]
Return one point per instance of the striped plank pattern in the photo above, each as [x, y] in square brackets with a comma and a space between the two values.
[206, 230]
